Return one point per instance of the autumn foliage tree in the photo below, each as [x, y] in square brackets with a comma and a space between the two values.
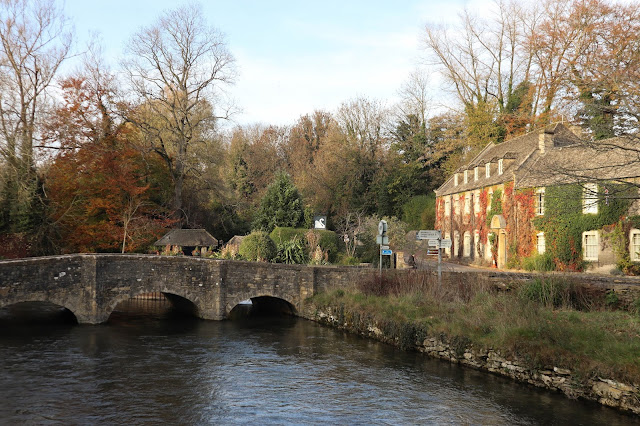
[100, 192]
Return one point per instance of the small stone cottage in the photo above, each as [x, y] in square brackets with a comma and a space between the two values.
[188, 240]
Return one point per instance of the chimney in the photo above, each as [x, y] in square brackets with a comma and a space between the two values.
[545, 141]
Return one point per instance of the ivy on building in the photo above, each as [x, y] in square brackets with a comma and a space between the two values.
[563, 222]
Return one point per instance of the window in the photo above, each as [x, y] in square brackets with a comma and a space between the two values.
[475, 173]
[447, 206]
[466, 176]
[448, 249]
[489, 198]
[500, 170]
[467, 204]
[540, 202]
[590, 246]
[455, 179]
[467, 245]
[590, 198]
[540, 243]
[476, 202]
[487, 170]
[634, 247]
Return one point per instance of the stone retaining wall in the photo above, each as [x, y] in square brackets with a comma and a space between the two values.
[622, 396]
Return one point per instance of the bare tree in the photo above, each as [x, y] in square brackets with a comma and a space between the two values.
[34, 41]
[178, 68]
[363, 121]
[482, 60]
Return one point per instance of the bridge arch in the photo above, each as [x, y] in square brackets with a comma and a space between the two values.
[40, 298]
[179, 299]
[289, 299]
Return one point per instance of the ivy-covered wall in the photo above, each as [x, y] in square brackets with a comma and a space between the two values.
[563, 223]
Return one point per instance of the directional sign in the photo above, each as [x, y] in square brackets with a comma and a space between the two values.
[386, 252]
[434, 243]
[384, 247]
[445, 243]
[428, 234]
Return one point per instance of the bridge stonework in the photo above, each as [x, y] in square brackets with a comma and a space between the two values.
[92, 285]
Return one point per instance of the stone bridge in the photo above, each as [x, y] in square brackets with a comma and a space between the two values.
[92, 285]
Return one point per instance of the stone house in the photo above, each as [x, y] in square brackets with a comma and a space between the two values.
[496, 209]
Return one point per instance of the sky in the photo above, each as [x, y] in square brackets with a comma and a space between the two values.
[293, 57]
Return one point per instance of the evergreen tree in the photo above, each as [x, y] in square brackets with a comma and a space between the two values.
[280, 206]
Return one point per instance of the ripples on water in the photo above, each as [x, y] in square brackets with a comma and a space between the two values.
[149, 365]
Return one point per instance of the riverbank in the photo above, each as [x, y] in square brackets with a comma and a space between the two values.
[552, 334]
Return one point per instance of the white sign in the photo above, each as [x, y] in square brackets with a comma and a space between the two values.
[320, 222]
[384, 247]
[382, 227]
[434, 243]
[428, 235]
[382, 240]
[445, 243]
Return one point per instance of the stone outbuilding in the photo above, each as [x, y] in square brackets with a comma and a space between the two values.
[188, 240]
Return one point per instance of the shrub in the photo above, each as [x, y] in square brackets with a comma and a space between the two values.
[257, 246]
[539, 262]
[291, 251]
[346, 260]
[328, 241]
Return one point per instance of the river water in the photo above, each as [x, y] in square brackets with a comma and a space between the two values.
[149, 365]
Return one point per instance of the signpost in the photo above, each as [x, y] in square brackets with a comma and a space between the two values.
[434, 239]
[428, 235]
[383, 239]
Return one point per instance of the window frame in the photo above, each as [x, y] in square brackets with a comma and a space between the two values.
[634, 254]
[475, 173]
[540, 237]
[585, 255]
[466, 176]
[500, 166]
[539, 202]
[487, 170]
[466, 244]
[455, 179]
[590, 198]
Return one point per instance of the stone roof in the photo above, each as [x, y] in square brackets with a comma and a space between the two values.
[552, 155]
[610, 159]
[236, 240]
[188, 238]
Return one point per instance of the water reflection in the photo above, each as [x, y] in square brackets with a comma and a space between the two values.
[151, 365]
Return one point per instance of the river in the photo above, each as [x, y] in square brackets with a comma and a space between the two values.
[149, 365]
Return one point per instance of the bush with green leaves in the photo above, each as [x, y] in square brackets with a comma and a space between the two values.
[257, 246]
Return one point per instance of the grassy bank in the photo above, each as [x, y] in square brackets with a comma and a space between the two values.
[546, 322]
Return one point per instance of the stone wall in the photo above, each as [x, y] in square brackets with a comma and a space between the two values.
[621, 396]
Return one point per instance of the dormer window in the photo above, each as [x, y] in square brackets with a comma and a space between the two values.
[475, 173]
[466, 176]
[500, 169]
[487, 170]
[455, 180]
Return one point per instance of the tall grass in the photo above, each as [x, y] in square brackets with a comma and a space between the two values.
[546, 322]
